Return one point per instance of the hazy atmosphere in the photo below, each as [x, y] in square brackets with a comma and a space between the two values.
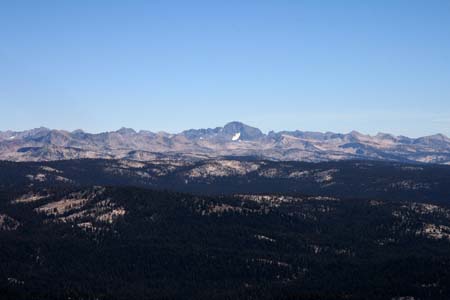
[218, 150]
[371, 66]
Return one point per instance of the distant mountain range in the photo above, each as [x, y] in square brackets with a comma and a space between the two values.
[233, 139]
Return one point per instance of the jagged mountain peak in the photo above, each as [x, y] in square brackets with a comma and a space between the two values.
[233, 139]
[78, 131]
[126, 131]
[357, 134]
[438, 136]
[235, 124]
[37, 130]
[383, 135]
[242, 131]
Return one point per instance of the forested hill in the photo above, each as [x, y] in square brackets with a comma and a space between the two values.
[132, 243]
[347, 179]
[229, 228]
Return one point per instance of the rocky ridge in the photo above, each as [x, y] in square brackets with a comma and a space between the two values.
[234, 139]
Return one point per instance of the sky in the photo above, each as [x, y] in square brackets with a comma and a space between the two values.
[370, 66]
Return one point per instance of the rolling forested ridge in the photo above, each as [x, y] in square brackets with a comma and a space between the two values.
[235, 228]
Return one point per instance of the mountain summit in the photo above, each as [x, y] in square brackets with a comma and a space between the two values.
[233, 139]
[241, 131]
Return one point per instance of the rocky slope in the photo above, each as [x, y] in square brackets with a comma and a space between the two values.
[234, 139]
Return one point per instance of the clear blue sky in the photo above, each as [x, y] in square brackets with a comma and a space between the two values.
[170, 65]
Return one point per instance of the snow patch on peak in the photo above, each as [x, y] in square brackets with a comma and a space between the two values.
[236, 136]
